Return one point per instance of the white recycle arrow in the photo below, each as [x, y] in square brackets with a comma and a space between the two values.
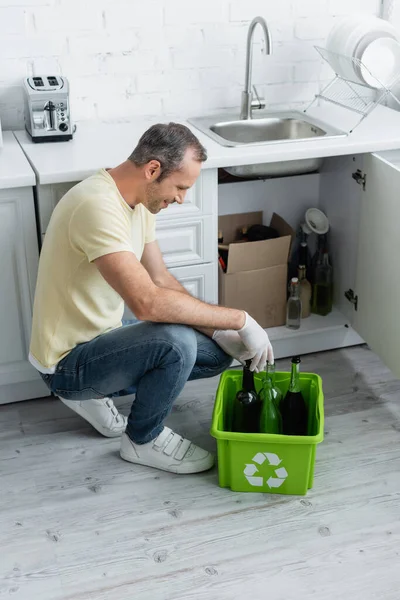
[249, 472]
[250, 469]
[275, 482]
[259, 458]
[273, 459]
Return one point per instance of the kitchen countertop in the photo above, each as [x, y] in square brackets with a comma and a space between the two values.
[97, 145]
[15, 170]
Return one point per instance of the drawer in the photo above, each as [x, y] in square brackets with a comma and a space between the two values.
[199, 200]
[187, 241]
[200, 281]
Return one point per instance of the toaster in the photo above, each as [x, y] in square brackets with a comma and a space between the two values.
[47, 108]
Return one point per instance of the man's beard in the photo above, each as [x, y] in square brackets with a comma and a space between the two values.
[153, 201]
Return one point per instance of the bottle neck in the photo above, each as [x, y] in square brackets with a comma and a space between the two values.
[295, 378]
[294, 291]
[302, 273]
[248, 378]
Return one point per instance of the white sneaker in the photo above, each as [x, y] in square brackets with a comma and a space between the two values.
[168, 452]
[101, 413]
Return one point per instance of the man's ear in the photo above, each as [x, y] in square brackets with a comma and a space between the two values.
[152, 170]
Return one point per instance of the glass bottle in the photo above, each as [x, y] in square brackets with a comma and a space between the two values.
[293, 309]
[270, 417]
[244, 236]
[276, 392]
[305, 257]
[321, 244]
[247, 406]
[305, 292]
[322, 291]
[293, 407]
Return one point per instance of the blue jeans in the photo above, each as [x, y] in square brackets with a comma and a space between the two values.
[154, 360]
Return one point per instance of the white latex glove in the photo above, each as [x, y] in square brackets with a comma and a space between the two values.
[256, 340]
[231, 343]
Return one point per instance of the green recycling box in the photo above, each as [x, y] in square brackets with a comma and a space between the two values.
[261, 462]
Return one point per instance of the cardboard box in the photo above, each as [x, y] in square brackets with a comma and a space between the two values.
[256, 277]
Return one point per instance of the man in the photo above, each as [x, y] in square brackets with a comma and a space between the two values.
[99, 252]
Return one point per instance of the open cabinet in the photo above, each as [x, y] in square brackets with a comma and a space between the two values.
[361, 197]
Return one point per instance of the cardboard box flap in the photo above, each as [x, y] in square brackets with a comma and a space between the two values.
[282, 227]
[230, 224]
[250, 256]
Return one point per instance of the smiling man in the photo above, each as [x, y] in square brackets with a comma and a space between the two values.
[100, 251]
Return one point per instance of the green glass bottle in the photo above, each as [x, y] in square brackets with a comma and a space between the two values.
[293, 407]
[270, 417]
[277, 394]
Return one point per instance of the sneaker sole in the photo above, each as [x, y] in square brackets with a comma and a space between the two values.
[102, 430]
[181, 470]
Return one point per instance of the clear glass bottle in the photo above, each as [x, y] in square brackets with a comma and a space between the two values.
[305, 257]
[322, 291]
[305, 293]
[293, 309]
[293, 407]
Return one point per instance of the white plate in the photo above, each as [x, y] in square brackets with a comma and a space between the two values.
[346, 40]
[381, 63]
[334, 41]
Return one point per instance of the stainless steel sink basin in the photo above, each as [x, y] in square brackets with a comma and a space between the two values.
[267, 128]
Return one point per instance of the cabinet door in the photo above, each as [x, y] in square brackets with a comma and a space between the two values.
[18, 268]
[378, 261]
[186, 241]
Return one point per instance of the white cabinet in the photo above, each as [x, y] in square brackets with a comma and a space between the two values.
[378, 268]
[18, 268]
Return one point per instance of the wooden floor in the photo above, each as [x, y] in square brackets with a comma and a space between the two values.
[77, 522]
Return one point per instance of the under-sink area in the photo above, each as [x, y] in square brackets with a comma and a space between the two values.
[264, 129]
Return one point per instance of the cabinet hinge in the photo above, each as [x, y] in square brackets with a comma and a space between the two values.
[352, 298]
[360, 178]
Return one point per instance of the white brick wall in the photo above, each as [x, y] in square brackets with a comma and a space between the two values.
[170, 58]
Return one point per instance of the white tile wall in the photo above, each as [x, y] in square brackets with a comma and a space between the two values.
[173, 58]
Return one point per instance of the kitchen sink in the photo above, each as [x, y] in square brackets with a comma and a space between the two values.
[267, 128]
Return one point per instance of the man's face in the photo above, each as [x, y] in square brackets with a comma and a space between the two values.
[174, 187]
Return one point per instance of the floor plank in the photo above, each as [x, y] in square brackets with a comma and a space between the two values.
[78, 523]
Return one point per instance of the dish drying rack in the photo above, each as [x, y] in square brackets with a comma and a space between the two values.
[349, 92]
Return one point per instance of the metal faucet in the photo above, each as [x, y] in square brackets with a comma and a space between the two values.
[247, 97]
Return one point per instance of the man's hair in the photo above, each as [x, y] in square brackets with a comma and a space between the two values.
[167, 143]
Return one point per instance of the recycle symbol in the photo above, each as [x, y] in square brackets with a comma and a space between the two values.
[256, 480]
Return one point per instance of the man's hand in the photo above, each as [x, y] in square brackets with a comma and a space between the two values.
[231, 343]
[256, 340]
